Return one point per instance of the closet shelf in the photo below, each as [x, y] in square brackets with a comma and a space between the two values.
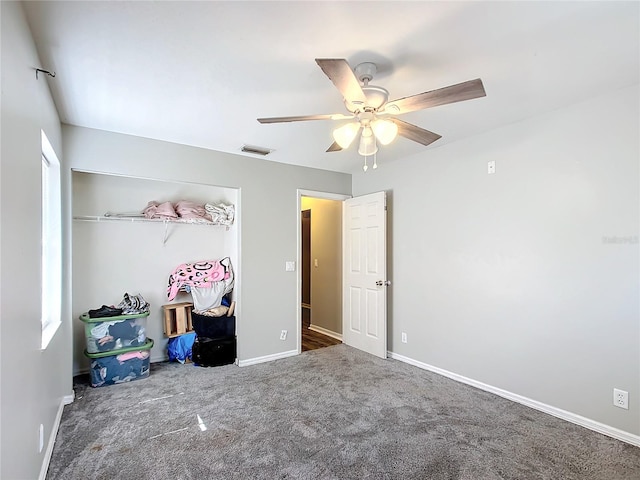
[113, 218]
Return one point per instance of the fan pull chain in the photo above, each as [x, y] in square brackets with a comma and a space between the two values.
[365, 167]
[375, 161]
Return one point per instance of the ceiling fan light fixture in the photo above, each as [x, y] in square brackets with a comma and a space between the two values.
[369, 105]
[345, 134]
[367, 143]
[385, 131]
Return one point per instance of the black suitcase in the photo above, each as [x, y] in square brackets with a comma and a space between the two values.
[213, 352]
[213, 327]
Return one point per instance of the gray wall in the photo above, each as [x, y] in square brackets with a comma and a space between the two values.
[33, 382]
[267, 218]
[516, 279]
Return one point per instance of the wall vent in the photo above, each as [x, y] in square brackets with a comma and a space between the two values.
[256, 150]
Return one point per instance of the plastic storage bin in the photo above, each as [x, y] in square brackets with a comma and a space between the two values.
[106, 334]
[124, 365]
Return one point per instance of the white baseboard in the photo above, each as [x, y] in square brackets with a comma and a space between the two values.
[324, 331]
[267, 358]
[52, 438]
[69, 399]
[159, 358]
[556, 412]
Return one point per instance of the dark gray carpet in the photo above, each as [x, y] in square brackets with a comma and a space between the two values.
[334, 413]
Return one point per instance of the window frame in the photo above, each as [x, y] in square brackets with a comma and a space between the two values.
[51, 243]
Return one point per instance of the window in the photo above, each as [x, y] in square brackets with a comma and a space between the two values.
[51, 254]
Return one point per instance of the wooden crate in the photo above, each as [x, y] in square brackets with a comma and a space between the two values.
[177, 319]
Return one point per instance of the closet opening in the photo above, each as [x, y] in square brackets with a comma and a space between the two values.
[119, 250]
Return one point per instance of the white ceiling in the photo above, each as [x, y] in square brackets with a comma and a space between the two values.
[201, 73]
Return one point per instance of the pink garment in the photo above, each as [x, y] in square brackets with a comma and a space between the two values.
[123, 357]
[162, 210]
[191, 210]
[197, 274]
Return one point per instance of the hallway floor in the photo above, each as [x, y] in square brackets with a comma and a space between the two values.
[312, 340]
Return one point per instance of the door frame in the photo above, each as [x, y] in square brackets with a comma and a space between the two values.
[314, 194]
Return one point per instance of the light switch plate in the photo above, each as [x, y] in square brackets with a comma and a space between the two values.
[290, 266]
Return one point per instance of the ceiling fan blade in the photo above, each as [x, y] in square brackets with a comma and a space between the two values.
[442, 96]
[342, 76]
[417, 134]
[334, 147]
[302, 118]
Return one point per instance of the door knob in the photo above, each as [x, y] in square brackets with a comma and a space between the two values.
[380, 283]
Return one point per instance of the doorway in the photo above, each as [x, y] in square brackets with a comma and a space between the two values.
[306, 269]
[320, 272]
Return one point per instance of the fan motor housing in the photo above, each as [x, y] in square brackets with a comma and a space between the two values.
[376, 98]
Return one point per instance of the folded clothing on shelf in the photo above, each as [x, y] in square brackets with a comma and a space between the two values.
[164, 210]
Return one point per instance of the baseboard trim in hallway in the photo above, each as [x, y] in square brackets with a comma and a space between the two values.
[324, 331]
[313, 339]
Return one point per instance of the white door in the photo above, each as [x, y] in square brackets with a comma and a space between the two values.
[364, 265]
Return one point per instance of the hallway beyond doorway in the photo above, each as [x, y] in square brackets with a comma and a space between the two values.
[312, 340]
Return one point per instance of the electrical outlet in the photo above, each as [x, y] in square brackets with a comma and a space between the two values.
[621, 398]
[404, 337]
[491, 167]
[283, 335]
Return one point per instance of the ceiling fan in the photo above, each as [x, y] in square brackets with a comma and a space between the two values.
[371, 111]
